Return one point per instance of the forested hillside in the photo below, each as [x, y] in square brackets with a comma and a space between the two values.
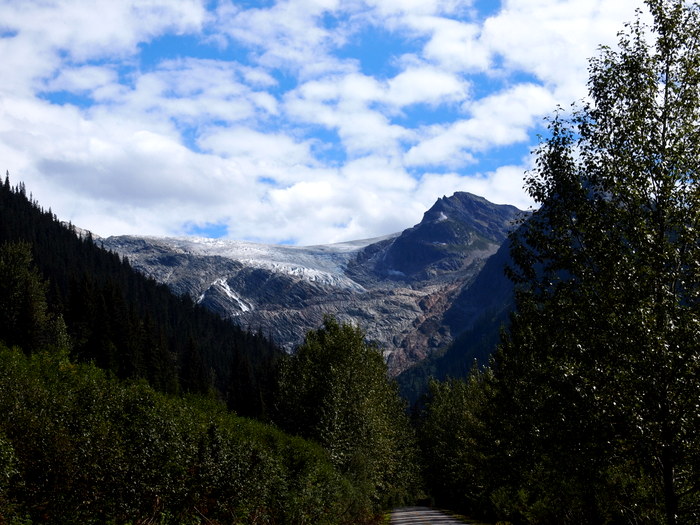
[128, 324]
[84, 437]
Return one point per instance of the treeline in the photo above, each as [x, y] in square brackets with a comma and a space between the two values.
[129, 324]
[589, 412]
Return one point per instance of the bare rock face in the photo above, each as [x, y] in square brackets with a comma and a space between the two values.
[398, 289]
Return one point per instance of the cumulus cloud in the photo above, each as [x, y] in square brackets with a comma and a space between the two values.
[423, 85]
[454, 45]
[495, 121]
[288, 35]
[196, 91]
[420, 7]
[41, 36]
[82, 79]
[277, 121]
[553, 39]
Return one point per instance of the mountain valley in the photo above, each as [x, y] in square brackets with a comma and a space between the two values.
[410, 291]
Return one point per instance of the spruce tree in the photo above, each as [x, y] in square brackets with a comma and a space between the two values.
[24, 319]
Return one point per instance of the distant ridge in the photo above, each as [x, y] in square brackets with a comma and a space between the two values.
[401, 288]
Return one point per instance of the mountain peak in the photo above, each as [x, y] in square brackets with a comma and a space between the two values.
[453, 233]
[397, 287]
[490, 220]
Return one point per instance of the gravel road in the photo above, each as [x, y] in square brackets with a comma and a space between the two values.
[421, 515]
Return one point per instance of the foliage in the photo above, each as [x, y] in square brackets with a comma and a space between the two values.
[79, 447]
[598, 378]
[452, 436]
[334, 390]
[589, 412]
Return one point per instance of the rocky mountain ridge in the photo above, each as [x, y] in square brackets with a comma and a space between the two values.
[401, 289]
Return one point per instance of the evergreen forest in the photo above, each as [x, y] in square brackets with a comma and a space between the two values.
[123, 403]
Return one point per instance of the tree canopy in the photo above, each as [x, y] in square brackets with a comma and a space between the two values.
[590, 410]
[335, 390]
[600, 368]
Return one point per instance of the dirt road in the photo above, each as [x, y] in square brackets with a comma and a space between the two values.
[421, 515]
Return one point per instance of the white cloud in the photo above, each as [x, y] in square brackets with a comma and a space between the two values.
[177, 94]
[424, 85]
[360, 108]
[453, 44]
[553, 39]
[47, 34]
[495, 121]
[287, 35]
[420, 7]
[82, 79]
[265, 154]
[505, 117]
[94, 28]
[379, 174]
[344, 104]
[281, 132]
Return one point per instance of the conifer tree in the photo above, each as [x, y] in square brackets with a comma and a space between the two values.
[23, 310]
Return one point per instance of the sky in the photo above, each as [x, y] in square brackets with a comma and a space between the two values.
[284, 121]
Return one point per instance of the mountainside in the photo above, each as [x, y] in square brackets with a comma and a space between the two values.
[120, 320]
[475, 316]
[401, 289]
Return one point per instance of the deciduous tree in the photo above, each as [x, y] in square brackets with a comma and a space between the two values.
[601, 367]
[335, 390]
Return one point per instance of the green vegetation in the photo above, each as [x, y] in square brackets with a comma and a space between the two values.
[452, 435]
[24, 317]
[79, 445]
[589, 412]
[334, 390]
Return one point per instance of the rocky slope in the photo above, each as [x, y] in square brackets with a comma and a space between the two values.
[401, 289]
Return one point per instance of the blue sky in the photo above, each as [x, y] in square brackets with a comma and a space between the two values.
[302, 121]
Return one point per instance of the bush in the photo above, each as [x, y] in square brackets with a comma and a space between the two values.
[77, 446]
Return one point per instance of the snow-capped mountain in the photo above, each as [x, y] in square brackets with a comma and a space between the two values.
[398, 288]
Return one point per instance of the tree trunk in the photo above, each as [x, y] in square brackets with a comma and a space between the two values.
[668, 467]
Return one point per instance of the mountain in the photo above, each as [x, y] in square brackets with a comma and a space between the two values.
[476, 316]
[406, 290]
